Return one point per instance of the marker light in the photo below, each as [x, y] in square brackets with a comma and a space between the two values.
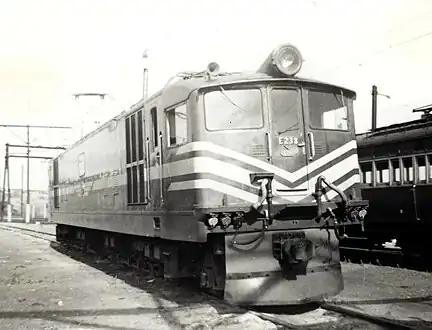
[284, 60]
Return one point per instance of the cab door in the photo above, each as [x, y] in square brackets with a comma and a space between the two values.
[330, 136]
[287, 143]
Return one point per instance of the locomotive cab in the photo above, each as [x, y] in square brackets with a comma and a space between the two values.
[267, 149]
[273, 122]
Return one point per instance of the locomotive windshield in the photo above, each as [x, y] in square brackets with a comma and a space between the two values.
[233, 109]
[328, 110]
[285, 104]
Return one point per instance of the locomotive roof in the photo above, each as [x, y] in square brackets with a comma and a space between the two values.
[180, 91]
[414, 129]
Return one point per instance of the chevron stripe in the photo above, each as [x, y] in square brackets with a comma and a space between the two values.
[241, 175]
[284, 174]
[247, 196]
[233, 172]
[236, 174]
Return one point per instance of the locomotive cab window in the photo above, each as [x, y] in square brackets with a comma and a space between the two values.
[285, 105]
[227, 109]
[177, 125]
[328, 110]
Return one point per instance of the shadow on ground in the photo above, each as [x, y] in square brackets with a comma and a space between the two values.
[183, 293]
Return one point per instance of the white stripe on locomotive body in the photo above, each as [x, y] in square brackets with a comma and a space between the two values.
[248, 197]
[267, 167]
[235, 173]
[222, 169]
[215, 186]
[225, 170]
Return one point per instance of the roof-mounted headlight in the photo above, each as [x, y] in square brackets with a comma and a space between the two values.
[285, 60]
[212, 71]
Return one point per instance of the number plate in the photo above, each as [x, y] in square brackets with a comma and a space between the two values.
[289, 235]
[287, 140]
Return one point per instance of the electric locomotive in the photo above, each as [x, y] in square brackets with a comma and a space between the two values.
[243, 181]
[396, 171]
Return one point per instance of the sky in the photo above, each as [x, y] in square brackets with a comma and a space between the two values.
[51, 49]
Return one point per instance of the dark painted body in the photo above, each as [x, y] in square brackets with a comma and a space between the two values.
[397, 181]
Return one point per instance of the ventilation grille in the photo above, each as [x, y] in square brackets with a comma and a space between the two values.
[259, 150]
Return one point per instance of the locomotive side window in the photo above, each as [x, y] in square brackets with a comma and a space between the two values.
[154, 126]
[135, 136]
[328, 110]
[177, 125]
[285, 104]
[128, 146]
[140, 136]
[233, 109]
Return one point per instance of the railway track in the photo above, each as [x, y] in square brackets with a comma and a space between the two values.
[308, 316]
[357, 250]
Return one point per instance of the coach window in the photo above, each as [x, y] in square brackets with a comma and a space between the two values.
[382, 171]
[227, 109]
[177, 125]
[396, 173]
[366, 169]
[408, 173]
[429, 168]
[421, 169]
[328, 110]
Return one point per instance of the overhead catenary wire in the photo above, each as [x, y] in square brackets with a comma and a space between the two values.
[378, 52]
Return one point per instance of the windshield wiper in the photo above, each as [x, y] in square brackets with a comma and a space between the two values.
[289, 128]
[229, 100]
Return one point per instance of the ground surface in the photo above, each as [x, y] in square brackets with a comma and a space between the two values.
[41, 288]
[47, 287]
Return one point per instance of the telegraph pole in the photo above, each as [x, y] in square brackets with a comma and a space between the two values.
[7, 173]
[375, 106]
[22, 191]
[28, 155]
